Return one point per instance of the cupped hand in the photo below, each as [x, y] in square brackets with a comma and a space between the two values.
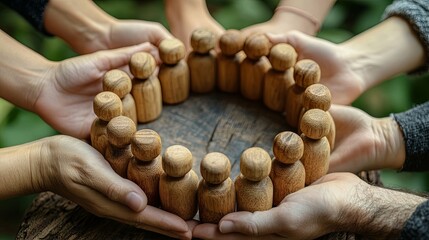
[338, 71]
[306, 214]
[68, 88]
[363, 142]
[88, 180]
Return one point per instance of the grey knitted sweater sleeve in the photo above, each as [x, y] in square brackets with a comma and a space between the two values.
[31, 10]
[415, 127]
[416, 12]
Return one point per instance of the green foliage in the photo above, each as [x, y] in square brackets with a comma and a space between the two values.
[346, 19]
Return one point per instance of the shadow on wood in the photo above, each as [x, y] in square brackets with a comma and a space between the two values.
[204, 123]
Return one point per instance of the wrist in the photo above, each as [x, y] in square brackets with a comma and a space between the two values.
[85, 29]
[379, 213]
[292, 18]
[187, 10]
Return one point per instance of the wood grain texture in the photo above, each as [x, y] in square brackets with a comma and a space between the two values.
[204, 123]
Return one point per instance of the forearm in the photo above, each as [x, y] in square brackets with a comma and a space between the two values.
[388, 49]
[377, 212]
[22, 72]
[80, 23]
[305, 15]
[19, 166]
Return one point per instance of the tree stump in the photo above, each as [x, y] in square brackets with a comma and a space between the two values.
[204, 123]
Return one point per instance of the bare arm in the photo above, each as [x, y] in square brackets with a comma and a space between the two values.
[87, 28]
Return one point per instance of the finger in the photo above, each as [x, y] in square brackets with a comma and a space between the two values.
[99, 205]
[211, 231]
[116, 58]
[107, 182]
[255, 224]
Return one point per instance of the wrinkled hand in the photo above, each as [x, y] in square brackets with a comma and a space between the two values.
[339, 73]
[307, 214]
[88, 180]
[69, 87]
[365, 143]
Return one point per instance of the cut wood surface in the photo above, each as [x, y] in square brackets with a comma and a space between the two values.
[204, 123]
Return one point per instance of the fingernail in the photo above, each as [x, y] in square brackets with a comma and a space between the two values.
[226, 227]
[134, 201]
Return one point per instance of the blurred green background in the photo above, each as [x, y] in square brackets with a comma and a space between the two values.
[346, 19]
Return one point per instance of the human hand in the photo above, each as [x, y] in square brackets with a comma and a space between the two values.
[88, 180]
[337, 202]
[66, 92]
[339, 70]
[365, 143]
[182, 23]
[307, 214]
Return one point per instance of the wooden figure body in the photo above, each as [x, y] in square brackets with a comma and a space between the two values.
[202, 61]
[146, 167]
[315, 126]
[280, 77]
[173, 72]
[287, 172]
[254, 66]
[306, 73]
[119, 82]
[216, 192]
[106, 105]
[229, 60]
[179, 183]
[120, 130]
[318, 96]
[146, 87]
[254, 189]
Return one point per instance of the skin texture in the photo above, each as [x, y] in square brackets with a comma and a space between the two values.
[87, 28]
[66, 88]
[339, 202]
[350, 68]
[51, 164]
[182, 24]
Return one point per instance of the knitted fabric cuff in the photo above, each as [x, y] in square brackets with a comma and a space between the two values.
[416, 12]
[415, 127]
[417, 226]
[32, 11]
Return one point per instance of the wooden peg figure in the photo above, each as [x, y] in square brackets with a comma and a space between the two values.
[119, 82]
[146, 87]
[287, 171]
[254, 189]
[179, 183]
[280, 77]
[254, 66]
[216, 192]
[229, 60]
[107, 105]
[306, 73]
[120, 131]
[173, 72]
[146, 169]
[318, 96]
[202, 61]
[315, 126]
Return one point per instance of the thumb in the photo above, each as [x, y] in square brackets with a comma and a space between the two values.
[254, 224]
[116, 188]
